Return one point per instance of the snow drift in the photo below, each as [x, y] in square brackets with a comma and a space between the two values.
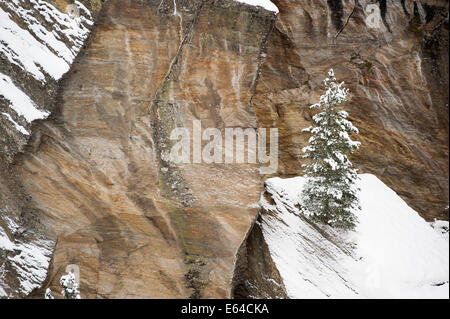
[392, 253]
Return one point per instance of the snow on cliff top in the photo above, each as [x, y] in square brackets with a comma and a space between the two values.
[29, 260]
[392, 253]
[266, 4]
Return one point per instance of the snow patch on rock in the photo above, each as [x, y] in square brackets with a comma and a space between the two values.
[18, 127]
[266, 4]
[19, 101]
[29, 261]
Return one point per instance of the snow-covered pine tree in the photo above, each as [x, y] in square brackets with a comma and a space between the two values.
[330, 194]
[70, 286]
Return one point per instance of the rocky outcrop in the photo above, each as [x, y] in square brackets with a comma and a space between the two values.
[94, 187]
[255, 274]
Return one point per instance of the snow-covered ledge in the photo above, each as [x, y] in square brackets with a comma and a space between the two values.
[392, 253]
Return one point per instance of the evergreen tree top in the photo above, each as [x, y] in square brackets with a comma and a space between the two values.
[334, 95]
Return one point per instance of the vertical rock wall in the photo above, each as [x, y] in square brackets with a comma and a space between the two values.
[95, 172]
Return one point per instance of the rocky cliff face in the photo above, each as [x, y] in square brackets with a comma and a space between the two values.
[397, 71]
[93, 186]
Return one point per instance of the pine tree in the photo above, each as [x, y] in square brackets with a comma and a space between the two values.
[330, 194]
[70, 286]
